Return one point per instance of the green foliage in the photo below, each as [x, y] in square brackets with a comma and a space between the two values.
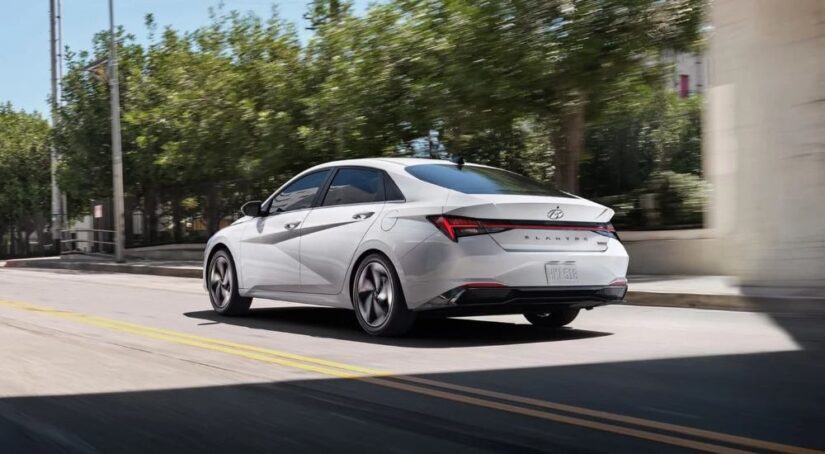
[682, 197]
[233, 108]
[645, 130]
[24, 177]
[667, 199]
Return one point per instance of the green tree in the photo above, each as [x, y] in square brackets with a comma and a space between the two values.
[219, 104]
[647, 129]
[590, 45]
[83, 132]
[235, 107]
[488, 68]
[24, 180]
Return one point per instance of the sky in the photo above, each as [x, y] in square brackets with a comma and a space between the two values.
[24, 34]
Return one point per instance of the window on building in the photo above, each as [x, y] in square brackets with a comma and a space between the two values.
[684, 85]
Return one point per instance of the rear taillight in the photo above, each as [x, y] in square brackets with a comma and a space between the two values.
[617, 288]
[609, 231]
[454, 227]
[618, 282]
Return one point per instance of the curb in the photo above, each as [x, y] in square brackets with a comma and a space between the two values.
[776, 304]
[111, 268]
[745, 303]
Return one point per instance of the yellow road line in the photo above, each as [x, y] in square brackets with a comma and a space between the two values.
[180, 338]
[684, 430]
[387, 379]
[650, 436]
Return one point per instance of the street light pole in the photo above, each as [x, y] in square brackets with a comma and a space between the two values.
[58, 206]
[117, 154]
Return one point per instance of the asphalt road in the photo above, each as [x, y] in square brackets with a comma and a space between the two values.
[130, 363]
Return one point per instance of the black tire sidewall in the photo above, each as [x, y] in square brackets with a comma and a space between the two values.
[555, 319]
[400, 318]
[237, 304]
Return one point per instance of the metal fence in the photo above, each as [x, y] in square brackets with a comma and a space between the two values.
[87, 241]
[177, 214]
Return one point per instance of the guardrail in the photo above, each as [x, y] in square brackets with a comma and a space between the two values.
[69, 240]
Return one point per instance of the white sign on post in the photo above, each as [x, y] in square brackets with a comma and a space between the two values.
[98, 211]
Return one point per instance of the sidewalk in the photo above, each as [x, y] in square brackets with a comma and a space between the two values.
[181, 268]
[720, 292]
[705, 292]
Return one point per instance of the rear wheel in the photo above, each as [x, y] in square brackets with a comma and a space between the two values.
[553, 319]
[223, 286]
[378, 300]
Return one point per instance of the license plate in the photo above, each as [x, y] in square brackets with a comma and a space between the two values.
[561, 273]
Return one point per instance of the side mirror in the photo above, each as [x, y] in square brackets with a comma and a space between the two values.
[252, 208]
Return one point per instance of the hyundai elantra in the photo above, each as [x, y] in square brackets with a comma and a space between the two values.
[395, 239]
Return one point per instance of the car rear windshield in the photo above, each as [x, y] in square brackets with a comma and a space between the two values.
[480, 180]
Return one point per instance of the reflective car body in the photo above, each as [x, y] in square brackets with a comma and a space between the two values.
[463, 239]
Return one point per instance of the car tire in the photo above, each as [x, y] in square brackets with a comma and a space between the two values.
[378, 299]
[222, 284]
[554, 319]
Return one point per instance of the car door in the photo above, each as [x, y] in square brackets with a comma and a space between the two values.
[270, 248]
[334, 229]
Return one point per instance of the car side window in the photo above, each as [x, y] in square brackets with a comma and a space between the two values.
[355, 186]
[299, 194]
[391, 191]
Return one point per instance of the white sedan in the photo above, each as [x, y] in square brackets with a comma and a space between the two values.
[396, 238]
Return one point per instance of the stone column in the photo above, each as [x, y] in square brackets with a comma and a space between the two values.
[765, 139]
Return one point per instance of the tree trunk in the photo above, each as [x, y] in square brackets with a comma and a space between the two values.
[177, 231]
[22, 242]
[12, 241]
[41, 249]
[150, 214]
[27, 248]
[569, 153]
[212, 210]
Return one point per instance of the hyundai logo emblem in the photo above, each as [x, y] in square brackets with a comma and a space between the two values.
[555, 213]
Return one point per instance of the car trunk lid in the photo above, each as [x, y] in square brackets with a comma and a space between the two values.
[537, 223]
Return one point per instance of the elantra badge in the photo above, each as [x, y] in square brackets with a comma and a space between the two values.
[555, 213]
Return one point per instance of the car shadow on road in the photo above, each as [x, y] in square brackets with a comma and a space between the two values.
[427, 333]
[770, 396]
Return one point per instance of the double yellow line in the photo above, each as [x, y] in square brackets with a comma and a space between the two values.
[672, 434]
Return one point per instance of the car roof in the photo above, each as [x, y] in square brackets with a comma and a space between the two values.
[383, 163]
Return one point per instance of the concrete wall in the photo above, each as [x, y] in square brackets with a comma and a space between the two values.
[765, 139]
[695, 66]
[186, 252]
[696, 252]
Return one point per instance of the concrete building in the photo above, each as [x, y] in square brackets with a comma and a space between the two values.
[764, 151]
[691, 73]
[765, 139]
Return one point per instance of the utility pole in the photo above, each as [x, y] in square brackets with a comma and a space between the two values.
[57, 198]
[117, 154]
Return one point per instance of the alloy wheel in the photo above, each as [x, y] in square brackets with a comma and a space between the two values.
[375, 294]
[220, 281]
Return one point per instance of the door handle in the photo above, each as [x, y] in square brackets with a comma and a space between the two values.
[365, 215]
[292, 225]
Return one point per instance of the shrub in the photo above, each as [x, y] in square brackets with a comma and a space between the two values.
[666, 200]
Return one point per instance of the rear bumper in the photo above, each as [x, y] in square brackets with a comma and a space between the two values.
[438, 265]
[517, 300]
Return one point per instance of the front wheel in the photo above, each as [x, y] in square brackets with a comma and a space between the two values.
[378, 300]
[223, 286]
[553, 319]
